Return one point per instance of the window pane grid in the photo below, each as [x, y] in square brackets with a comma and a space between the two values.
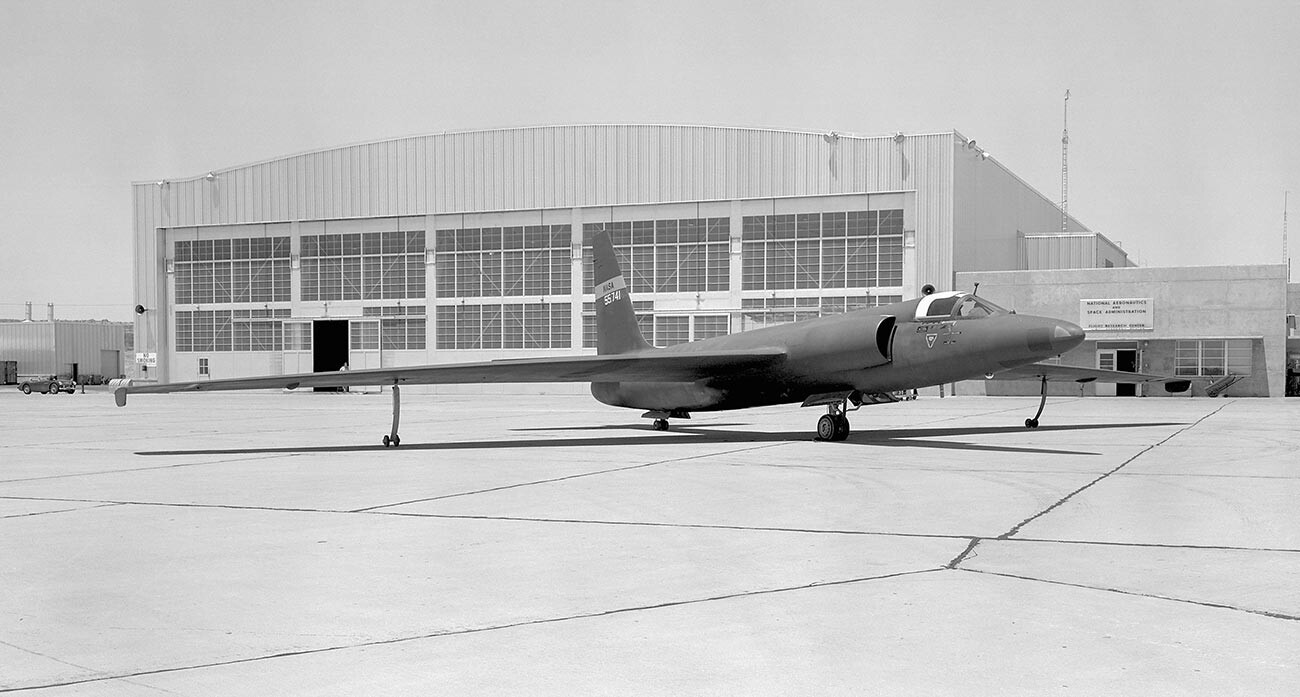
[217, 271]
[667, 256]
[503, 326]
[502, 262]
[858, 249]
[363, 266]
[1213, 357]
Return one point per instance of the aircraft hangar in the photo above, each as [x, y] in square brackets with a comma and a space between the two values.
[472, 245]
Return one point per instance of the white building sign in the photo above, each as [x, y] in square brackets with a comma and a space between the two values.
[147, 359]
[1117, 314]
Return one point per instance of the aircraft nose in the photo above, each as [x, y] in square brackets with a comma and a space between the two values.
[1052, 337]
[1065, 336]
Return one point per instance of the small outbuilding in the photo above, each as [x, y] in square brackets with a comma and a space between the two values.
[85, 351]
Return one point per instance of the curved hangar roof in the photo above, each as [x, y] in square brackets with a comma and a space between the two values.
[548, 167]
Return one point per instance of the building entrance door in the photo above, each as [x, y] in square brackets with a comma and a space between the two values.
[1120, 358]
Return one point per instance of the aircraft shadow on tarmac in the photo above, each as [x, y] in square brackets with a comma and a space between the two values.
[712, 433]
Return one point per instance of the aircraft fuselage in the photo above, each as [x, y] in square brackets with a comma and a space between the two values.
[879, 350]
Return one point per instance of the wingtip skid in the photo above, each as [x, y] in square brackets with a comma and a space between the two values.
[119, 386]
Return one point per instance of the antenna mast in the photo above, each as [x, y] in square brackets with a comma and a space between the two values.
[1286, 254]
[1065, 165]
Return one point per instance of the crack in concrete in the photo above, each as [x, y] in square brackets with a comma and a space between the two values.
[965, 553]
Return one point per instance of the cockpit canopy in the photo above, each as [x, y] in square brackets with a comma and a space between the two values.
[954, 305]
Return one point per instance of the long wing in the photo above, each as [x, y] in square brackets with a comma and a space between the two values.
[646, 366]
[1069, 373]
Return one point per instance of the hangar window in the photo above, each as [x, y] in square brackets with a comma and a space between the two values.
[502, 262]
[672, 329]
[709, 326]
[402, 333]
[363, 266]
[853, 249]
[1213, 357]
[230, 330]
[763, 312]
[236, 270]
[503, 326]
[364, 336]
[667, 256]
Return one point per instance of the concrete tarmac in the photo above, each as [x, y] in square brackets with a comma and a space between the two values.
[265, 543]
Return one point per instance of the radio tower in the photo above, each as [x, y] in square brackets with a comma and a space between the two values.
[1065, 166]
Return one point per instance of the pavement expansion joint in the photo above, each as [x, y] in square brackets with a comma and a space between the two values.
[473, 630]
[61, 510]
[552, 480]
[1153, 596]
[179, 465]
[662, 524]
[1018, 526]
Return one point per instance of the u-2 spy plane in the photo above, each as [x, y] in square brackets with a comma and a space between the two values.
[841, 362]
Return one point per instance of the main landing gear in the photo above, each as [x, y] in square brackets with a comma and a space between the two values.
[1042, 401]
[392, 438]
[833, 426]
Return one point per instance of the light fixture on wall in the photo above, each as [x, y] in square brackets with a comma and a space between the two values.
[211, 176]
[171, 266]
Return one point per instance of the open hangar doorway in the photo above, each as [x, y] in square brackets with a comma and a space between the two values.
[329, 348]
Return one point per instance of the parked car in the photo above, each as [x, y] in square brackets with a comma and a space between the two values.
[49, 384]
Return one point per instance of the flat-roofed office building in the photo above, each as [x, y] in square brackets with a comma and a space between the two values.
[474, 245]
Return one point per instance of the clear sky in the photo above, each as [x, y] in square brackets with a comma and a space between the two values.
[1182, 115]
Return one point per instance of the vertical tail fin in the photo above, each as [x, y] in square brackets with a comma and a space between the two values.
[616, 328]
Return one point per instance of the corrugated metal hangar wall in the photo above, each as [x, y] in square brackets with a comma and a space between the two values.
[959, 210]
